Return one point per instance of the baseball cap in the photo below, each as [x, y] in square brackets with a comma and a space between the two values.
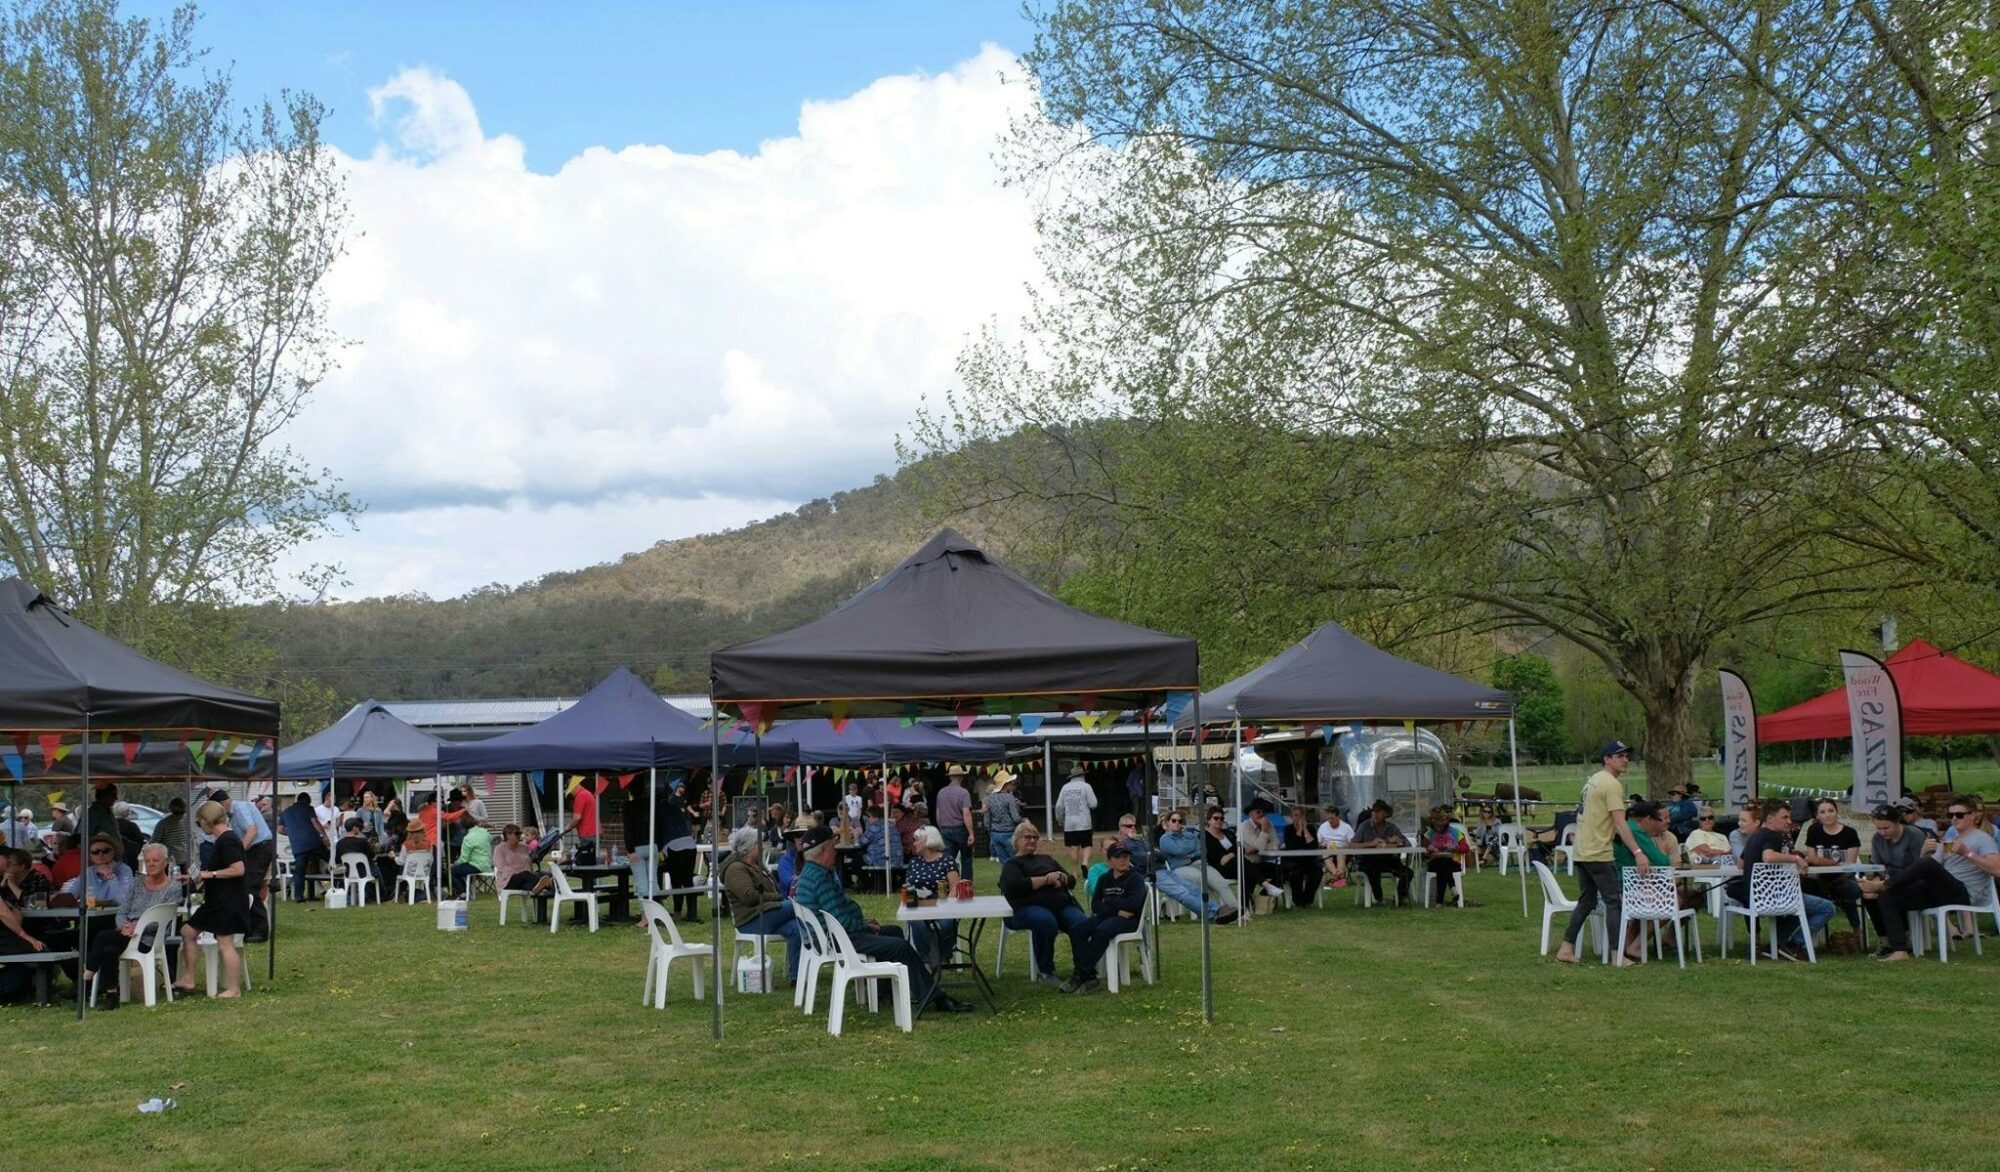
[814, 837]
[1613, 748]
[1118, 848]
[1907, 803]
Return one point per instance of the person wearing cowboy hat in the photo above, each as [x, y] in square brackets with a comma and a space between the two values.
[952, 815]
[1003, 812]
[60, 819]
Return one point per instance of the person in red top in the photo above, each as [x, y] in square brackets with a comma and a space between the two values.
[68, 863]
[583, 820]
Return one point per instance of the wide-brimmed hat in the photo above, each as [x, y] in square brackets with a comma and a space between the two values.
[954, 771]
[801, 824]
[1003, 776]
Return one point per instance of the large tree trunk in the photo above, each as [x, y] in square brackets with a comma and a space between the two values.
[1669, 712]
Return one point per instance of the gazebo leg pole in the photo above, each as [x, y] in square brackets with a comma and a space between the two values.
[1048, 787]
[888, 828]
[1514, 763]
[1207, 969]
[714, 864]
[83, 882]
[1243, 898]
[1143, 817]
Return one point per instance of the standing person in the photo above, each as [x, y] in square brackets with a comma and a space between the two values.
[1599, 822]
[372, 819]
[952, 815]
[1773, 844]
[676, 833]
[225, 902]
[853, 802]
[130, 836]
[327, 814]
[260, 851]
[1115, 908]
[1074, 803]
[1003, 813]
[473, 804]
[1832, 843]
[172, 832]
[310, 854]
[583, 822]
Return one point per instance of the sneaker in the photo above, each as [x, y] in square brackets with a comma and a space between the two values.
[1045, 979]
[1074, 984]
[1786, 954]
[1093, 985]
[1226, 916]
[1271, 889]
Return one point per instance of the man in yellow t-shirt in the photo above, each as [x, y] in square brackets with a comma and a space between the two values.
[1599, 821]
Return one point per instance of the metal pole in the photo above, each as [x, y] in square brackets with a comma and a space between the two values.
[1143, 817]
[1207, 970]
[271, 904]
[1236, 779]
[714, 903]
[1048, 787]
[83, 882]
[652, 831]
[888, 827]
[1514, 763]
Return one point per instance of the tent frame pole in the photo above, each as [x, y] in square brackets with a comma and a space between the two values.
[1236, 778]
[714, 867]
[89, 797]
[1514, 764]
[1207, 968]
[888, 828]
[1048, 786]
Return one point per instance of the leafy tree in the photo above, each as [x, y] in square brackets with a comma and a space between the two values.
[161, 321]
[1467, 316]
[1539, 716]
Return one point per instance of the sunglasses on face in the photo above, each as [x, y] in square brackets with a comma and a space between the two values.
[99, 850]
[1960, 813]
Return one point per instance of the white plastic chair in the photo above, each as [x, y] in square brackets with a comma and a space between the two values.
[359, 877]
[1653, 899]
[527, 898]
[1555, 903]
[151, 959]
[1118, 957]
[1936, 916]
[1514, 844]
[211, 958]
[850, 966]
[567, 894]
[663, 952]
[475, 881]
[759, 948]
[1774, 894]
[1566, 847]
[416, 873]
[1000, 951]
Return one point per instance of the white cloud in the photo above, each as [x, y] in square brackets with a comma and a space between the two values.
[647, 344]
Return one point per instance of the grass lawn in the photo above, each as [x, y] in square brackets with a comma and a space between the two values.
[1344, 1037]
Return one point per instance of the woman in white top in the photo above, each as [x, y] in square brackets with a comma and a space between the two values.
[1334, 835]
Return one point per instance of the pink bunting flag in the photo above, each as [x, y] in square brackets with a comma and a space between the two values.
[489, 785]
[359, 785]
[965, 720]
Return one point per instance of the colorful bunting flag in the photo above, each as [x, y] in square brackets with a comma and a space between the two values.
[910, 713]
[131, 747]
[1030, 722]
[1326, 732]
[1250, 733]
[15, 764]
[625, 780]
[359, 785]
[603, 783]
[575, 779]
[1410, 726]
[199, 751]
[541, 779]
[1176, 703]
[257, 750]
[489, 785]
[965, 720]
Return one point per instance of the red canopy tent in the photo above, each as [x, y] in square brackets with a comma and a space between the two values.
[1942, 695]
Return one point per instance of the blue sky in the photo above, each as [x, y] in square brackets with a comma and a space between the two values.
[562, 76]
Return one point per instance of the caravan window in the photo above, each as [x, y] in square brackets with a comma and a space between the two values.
[1408, 776]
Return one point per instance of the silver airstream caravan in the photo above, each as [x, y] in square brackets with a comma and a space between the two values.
[1407, 770]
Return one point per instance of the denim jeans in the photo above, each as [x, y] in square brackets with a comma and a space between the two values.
[1818, 913]
[1000, 846]
[1042, 926]
[645, 864]
[780, 921]
[958, 846]
[1178, 889]
[1092, 939]
[1595, 882]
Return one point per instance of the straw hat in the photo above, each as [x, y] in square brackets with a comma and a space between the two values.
[1002, 778]
[802, 823]
[954, 771]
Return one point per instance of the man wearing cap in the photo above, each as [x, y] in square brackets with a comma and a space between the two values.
[1114, 911]
[818, 890]
[952, 815]
[1913, 816]
[1074, 802]
[1600, 821]
[1912, 879]
[1003, 813]
[1684, 809]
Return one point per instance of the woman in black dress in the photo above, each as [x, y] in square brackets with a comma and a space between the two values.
[225, 903]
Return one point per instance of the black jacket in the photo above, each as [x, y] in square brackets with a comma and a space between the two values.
[1016, 883]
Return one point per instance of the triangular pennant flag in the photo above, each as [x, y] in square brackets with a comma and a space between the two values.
[910, 711]
[1410, 726]
[541, 779]
[1087, 700]
[131, 746]
[603, 783]
[257, 749]
[1031, 721]
[64, 751]
[199, 751]
[836, 715]
[1458, 726]
[489, 784]
[359, 785]
[15, 765]
[1176, 703]
[965, 720]
[625, 780]
[1250, 733]
[839, 724]
[752, 713]
[225, 747]
[575, 779]
[21, 745]
[1326, 732]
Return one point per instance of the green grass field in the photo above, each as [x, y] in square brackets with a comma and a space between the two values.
[1344, 1038]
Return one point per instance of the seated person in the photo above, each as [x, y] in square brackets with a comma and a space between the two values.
[928, 876]
[1115, 909]
[1968, 852]
[1912, 880]
[1648, 820]
[1683, 809]
[475, 854]
[1301, 872]
[881, 844]
[756, 905]
[1664, 838]
[150, 889]
[514, 867]
[1257, 837]
[1772, 843]
[909, 820]
[1829, 842]
[107, 879]
[1378, 831]
[354, 842]
[1705, 847]
[1486, 835]
[819, 891]
[1913, 815]
[1038, 889]
[1749, 820]
[67, 862]
[1335, 834]
[1179, 874]
[1446, 849]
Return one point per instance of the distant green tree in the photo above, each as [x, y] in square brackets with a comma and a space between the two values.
[1539, 717]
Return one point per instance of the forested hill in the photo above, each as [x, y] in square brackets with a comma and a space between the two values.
[660, 610]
